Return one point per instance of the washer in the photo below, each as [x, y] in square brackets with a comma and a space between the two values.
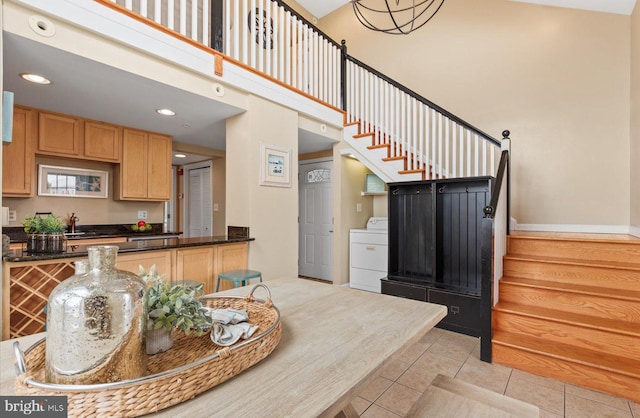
[369, 253]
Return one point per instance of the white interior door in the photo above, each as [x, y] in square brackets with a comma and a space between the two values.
[316, 220]
[198, 200]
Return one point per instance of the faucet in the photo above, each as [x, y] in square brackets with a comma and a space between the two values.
[72, 223]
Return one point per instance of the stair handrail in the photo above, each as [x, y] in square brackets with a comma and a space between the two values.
[418, 97]
[503, 169]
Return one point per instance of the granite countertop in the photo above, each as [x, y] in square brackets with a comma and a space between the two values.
[17, 234]
[125, 247]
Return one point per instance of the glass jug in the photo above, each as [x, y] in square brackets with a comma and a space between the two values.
[96, 324]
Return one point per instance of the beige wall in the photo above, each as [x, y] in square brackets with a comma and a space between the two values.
[90, 211]
[349, 178]
[270, 212]
[635, 119]
[557, 78]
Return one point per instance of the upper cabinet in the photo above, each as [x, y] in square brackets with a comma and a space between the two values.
[18, 161]
[145, 171]
[102, 141]
[68, 136]
[59, 135]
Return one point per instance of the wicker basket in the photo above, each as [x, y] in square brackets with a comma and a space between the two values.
[192, 366]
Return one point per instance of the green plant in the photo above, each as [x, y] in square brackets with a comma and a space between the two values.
[172, 306]
[39, 225]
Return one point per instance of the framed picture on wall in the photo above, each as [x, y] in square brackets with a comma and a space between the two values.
[72, 182]
[275, 166]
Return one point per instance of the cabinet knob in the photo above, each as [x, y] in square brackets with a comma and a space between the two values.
[371, 248]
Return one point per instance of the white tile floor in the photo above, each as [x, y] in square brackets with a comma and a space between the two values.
[399, 385]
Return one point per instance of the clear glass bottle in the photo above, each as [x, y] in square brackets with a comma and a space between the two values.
[96, 324]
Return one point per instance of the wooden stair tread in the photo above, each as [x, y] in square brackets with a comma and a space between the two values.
[574, 261]
[606, 238]
[378, 146]
[569, 353]
[363, 135]
[586, 321]
[623, 294]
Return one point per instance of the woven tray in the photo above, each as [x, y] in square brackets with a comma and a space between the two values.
[192, 366]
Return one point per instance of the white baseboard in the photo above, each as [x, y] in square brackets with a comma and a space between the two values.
[634, 230]
[586, 229]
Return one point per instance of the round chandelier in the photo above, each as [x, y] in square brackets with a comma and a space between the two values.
[396, 17]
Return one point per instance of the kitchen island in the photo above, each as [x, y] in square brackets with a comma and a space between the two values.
[28, 279]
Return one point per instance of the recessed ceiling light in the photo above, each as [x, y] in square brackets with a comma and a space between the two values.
[179, 155]
[35, 78]
[166, 112]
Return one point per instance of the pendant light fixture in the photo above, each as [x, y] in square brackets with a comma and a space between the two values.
[396, 17]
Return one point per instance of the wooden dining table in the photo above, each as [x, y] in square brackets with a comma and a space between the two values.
[334, 341]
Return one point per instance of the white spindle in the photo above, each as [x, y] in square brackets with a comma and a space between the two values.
[237, 28]
[440, 147]
[493, 160]
[414, 135]
[331, 76]
[157, 11]
[325, 72]
[266, 37]
[283, 52]
[205, 23]
[447, 138]
[289, 49]
[170, 14]
[315, 64]
[143, 8]
[428, 157]
[128, 4]
[476, 148]
[484, 158]
[246, 35]
[182, 28]
[469, 153]
[298, 54]
[228, 35]
[253, 28]
[403, 124]
[260, 33]
[308, 42]
[194, 20]
[461, 153]
[421, 139]
[454, 144]
[434, 136]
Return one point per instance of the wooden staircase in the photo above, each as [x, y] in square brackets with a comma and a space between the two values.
[569, 309]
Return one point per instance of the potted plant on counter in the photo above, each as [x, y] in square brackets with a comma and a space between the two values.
[44, 235]
[171, 307]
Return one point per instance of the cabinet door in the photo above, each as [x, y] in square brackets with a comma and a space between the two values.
[132, 261]
[230, 257]
[102, 141]
[159, 174]
[196, 264]
[18, 167]
[133, 170]
[59, 135]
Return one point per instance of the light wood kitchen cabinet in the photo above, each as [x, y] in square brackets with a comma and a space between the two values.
[132, 262]
[18, 156]
[102, 141]
[145, 171]
[197, 264]
[230, 257]
[59, 135]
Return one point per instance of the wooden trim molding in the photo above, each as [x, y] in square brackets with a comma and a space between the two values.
[218, 56]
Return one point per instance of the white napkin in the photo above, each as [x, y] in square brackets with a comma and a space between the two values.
[229, 326]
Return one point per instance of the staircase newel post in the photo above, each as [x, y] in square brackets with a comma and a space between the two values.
[343, 73]
[506, 146]
[217, 36]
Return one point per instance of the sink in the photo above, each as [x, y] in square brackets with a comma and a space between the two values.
[80, 234]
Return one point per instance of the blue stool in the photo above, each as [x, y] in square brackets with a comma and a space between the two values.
[237, 276]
